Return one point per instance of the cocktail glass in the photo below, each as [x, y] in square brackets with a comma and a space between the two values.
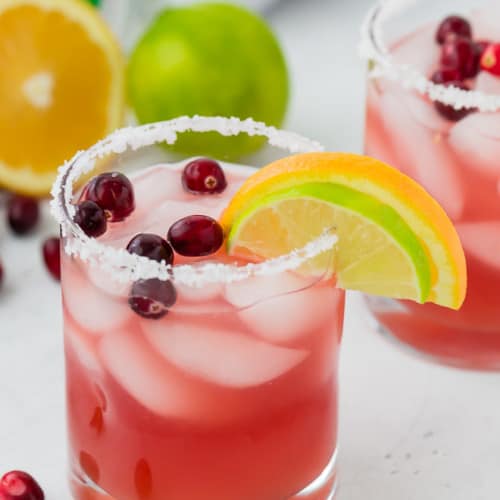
[455, 159]
[233, 393]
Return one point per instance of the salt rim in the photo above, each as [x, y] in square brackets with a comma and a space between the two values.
[372, 48]
[126, 267]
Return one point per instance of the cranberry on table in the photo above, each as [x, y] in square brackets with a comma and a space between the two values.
[22, 214]
[113, 192]
[449, 112]
[19, 485]
[152, 298]
[196, 236]
[152, 246]
[490, 60]
[91, 218]
[52, 256]
[459, 53]
[445, 75]
[204, 176]
[453, 25]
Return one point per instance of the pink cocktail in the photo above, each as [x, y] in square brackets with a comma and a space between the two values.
[229, 395]
[449, 141]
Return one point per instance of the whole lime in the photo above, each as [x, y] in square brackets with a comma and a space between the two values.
[209, 59]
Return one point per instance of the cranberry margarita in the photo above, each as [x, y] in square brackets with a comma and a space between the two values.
[433, 105]
[190, 374]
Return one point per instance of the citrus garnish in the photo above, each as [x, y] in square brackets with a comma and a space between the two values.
[394, 238]
[62, 88]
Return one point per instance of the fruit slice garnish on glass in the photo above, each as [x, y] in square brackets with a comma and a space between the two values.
[394, 239]
[62, 88]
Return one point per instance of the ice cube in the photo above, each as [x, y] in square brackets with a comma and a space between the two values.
[223, 357]
[106, 282]
[207, 292]
[422, 151]
[482, 241]
[90, 307]
[155, 185]
[285, 308]
[143, 374]
[159, 220]
[418, 50]
[83, 347]
[476, 140]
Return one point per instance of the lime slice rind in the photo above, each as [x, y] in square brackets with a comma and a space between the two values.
[368, 229]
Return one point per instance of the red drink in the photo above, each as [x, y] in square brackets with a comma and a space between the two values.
[231, 395]
[455, 157]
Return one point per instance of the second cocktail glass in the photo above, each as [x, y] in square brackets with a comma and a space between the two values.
[449, 141]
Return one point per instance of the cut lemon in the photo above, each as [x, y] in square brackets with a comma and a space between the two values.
[62, 88]
[394, 238]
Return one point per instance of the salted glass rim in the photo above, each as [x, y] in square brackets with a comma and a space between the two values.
[373, 48]
[124, 266]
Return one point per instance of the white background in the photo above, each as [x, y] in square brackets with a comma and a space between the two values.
[409, 430]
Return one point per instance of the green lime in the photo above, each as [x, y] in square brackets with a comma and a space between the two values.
[209, 59]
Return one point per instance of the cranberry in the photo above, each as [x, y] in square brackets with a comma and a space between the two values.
[196, 236]
[18, 485]
[52, 256]
[453, 25]
[459, 53]
[91, 218]
[490, 60]
[449, 112]
[152, 298]
[151, 246]
[204, 176]
[445, 75]
[1, 273]
[113, 192]
[22, 213]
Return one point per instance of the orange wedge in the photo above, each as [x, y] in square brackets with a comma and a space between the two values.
[61, 89]
[394, 239]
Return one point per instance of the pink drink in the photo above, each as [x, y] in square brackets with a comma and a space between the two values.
[231, 395]
[458, 163]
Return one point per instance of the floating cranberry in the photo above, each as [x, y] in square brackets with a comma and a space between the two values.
[459, 53]
[52, 256]
[91, 218]
[449, 112]
[113, 192]
[151, 246]
[204, 176]
[445, 75]
[152, 298]
[22, 213]
[490, 60]
[453, 25]
[19, 485]
[196, 236]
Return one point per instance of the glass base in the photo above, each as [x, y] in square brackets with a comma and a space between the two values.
[430, 340]
[324, 487]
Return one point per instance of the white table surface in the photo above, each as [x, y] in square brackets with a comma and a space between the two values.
[409, 430]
